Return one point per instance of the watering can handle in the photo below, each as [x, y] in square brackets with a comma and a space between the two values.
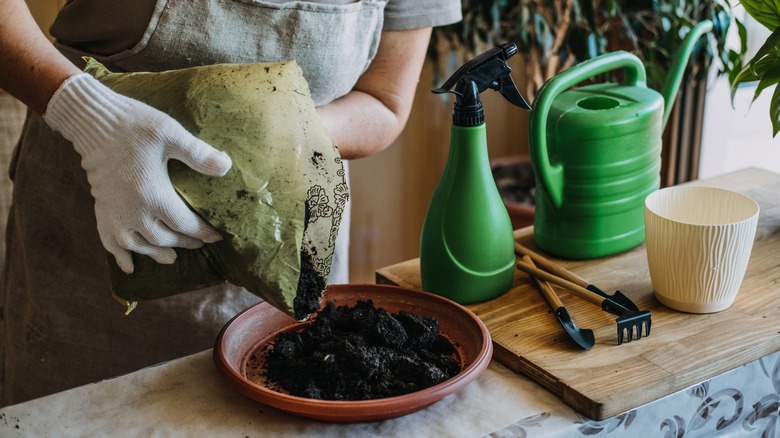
[549, 175]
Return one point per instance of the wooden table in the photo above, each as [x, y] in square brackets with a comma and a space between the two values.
[682, 350]
[187, 397]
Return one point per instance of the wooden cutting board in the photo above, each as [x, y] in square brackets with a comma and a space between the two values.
[682, 349]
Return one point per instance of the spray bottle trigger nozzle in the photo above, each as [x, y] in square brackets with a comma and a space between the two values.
[506, 86]
[488, 70]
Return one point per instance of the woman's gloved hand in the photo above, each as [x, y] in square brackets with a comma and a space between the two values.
[125, 146]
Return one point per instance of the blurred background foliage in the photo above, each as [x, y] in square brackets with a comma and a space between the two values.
[553, 35]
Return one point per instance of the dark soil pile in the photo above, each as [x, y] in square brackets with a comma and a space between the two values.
[311, 285]
[359, 353]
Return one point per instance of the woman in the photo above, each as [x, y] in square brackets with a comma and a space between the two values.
[60, 327]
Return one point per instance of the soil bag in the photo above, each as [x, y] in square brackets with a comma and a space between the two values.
[280, 205]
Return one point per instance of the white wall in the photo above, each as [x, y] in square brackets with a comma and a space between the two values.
[738, 136]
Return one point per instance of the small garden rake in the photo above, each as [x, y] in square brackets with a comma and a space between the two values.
[551, 267]
[631, 322]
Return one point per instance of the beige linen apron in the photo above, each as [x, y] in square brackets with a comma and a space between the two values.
[59, 326]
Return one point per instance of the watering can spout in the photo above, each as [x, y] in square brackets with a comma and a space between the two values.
[677, 70]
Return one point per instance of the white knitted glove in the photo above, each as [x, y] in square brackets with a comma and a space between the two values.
[125, 146]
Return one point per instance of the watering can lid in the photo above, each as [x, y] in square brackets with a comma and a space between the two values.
[607, 104]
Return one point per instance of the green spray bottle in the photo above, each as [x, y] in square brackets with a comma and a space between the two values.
[467, 244]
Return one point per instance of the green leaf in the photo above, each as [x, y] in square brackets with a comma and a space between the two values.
[733, 64]
[769, 47]
[742, 36]
[766, 12]
[770, 77]
[744, 75]
[774, 111]
[760, 66]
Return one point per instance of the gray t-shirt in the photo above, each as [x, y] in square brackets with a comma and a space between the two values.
[110, 26]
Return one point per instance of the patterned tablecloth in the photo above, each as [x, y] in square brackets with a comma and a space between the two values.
[187, 397]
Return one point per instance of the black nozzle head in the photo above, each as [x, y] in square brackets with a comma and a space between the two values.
[488, 70]
[468, 110]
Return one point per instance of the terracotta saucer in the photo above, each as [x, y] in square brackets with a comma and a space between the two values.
[258, 325]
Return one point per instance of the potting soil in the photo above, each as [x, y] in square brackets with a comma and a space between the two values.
[358, 353]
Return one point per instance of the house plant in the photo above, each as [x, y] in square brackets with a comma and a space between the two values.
[553, 35]
[764, 67]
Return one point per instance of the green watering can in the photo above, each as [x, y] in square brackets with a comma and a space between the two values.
[596, 153]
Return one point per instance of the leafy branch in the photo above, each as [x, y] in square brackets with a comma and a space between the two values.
[553, 35]
[764, 67]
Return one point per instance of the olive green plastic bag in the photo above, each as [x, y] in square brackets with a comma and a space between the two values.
[280, 205]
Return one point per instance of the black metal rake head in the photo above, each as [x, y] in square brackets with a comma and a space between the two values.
[632, 323]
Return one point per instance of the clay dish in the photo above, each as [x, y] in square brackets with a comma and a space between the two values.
[257, 326]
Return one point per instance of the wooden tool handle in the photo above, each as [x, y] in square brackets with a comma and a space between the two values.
[574, 288]
[550, 266]
[545, 287]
